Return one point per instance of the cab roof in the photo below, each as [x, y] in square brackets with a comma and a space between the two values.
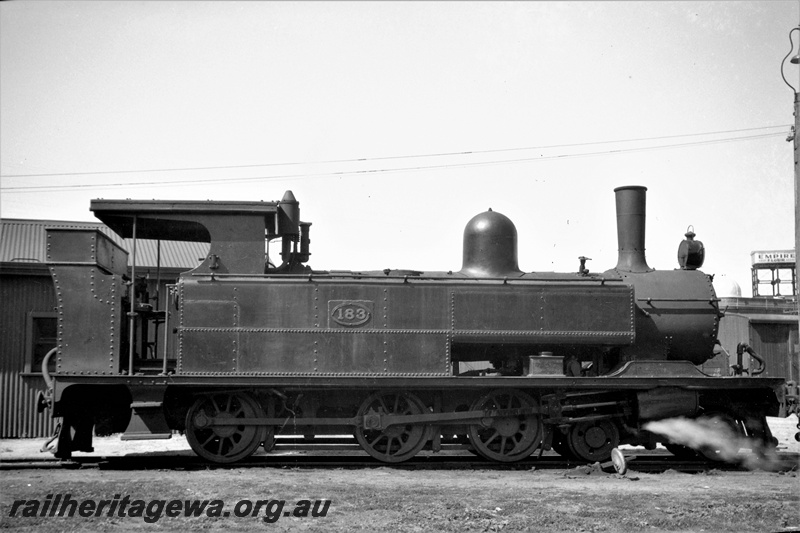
[187, 220]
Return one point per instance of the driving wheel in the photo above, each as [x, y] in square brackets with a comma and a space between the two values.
[395, 443]
[224, 443]
[506, 438]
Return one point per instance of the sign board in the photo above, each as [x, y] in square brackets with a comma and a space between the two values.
[773, 257]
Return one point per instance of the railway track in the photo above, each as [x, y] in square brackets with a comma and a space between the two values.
[307, 457]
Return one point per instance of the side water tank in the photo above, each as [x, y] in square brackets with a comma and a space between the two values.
[490, 246]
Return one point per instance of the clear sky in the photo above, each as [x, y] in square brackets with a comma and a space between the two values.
[394, 123]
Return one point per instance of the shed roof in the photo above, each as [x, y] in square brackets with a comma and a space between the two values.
[24, 241]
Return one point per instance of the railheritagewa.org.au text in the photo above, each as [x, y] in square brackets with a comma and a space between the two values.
[151, 511]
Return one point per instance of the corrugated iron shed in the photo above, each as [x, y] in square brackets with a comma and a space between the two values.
[24, 241]
[20, 297]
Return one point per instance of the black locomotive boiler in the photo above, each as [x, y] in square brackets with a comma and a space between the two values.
[502, 361]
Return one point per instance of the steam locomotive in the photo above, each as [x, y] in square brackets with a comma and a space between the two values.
[506, 363]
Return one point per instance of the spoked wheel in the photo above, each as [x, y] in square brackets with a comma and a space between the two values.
[506, 439]
[224, 444]
[593, 441]
[395, 443]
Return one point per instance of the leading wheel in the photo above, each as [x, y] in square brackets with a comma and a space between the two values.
[593, 441]
[506, 438]
[224, 443]
[395, 443]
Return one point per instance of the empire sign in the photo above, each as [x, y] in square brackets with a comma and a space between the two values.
[773, 257]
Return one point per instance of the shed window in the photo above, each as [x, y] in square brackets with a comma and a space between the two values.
[42, 337]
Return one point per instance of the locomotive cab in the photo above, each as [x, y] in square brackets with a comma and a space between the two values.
[236, 231]
[80, 259]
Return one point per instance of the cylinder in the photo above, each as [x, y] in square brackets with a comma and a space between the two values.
[631, 214]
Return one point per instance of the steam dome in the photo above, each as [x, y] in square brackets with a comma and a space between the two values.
[490, 246]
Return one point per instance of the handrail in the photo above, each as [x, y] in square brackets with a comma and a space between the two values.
[405, 278]
[166, 338]
[45, 372]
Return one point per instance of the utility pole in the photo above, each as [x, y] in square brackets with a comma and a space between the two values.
[795, 350]
[796, 61]
[796, 144]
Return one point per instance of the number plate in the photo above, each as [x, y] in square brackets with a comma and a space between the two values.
[349, 313]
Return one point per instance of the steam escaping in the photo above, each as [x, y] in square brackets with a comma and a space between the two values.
[712, 436]
[717, 438]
